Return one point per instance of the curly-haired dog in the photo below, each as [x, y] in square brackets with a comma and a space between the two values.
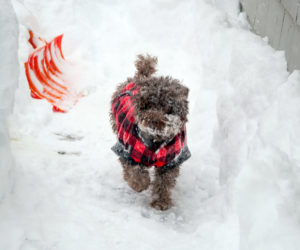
[149, 116]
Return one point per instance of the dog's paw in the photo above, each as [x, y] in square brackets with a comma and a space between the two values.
[161, 204]
[141, 181]
[139, 186]
[137, 178]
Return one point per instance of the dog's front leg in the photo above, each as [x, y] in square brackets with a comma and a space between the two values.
[137, 176]
[164, 182]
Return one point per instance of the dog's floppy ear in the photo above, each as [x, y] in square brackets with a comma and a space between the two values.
[145, 65]
[185, 91]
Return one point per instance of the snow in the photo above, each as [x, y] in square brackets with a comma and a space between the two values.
[9, 71]
[239, 190]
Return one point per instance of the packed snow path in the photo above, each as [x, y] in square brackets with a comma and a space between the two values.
[239, 191]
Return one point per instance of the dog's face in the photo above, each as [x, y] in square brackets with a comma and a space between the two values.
[161, 107]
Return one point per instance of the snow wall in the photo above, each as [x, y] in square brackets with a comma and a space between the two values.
[9, 73]
[279, 20]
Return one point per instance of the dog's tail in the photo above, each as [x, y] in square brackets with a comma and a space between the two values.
[145, 65]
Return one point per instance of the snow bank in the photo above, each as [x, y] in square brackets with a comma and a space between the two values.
[267, 189]
[9, 72]
[229, 6]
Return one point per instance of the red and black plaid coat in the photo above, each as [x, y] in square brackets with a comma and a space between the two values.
[135, 149]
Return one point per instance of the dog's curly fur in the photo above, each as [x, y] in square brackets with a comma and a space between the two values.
[161, 109]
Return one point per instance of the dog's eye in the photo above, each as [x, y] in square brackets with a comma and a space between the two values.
[170, 111]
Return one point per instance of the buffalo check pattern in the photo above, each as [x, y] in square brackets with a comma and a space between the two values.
[132, 147]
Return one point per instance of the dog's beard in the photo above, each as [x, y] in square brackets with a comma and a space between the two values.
[173, 125]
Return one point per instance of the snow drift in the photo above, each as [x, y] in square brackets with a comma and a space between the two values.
[9, 73]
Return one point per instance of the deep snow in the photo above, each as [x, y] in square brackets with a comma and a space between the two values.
[240, 189]
[9, 72]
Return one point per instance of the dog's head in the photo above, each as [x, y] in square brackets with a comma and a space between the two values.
[161, 106]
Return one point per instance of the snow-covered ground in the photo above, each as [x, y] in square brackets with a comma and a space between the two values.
[239, 191]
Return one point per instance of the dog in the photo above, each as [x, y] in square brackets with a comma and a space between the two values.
[149, 115]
